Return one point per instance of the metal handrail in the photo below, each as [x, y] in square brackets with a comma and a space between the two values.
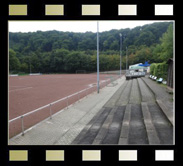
[48, 105]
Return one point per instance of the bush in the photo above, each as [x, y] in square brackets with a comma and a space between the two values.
[159, 70]
[152, 67]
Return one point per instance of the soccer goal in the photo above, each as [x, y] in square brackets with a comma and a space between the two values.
[80, 71]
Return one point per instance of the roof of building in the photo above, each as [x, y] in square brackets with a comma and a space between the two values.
[169, 60]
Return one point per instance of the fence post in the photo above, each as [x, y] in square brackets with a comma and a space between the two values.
[50, 112]
[78, 96]
[22, 119]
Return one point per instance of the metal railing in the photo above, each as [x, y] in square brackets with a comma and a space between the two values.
[50, 105]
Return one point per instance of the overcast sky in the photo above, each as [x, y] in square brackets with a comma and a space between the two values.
[73, 26]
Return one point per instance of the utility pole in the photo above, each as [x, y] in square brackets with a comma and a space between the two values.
[98, 86]
[120, 52]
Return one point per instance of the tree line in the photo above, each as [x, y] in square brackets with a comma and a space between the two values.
[66, 52]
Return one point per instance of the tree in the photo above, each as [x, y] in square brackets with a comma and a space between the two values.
[145, 38]
[167, 44]
[58, 60]
[14, 63]
[164, 50]
[24, 67]
[114, 45]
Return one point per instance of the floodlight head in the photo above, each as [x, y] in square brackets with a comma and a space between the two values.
[120, 34]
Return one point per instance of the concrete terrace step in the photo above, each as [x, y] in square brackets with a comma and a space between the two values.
[137, 129]
[124, 98]
[166, 111]
[135, 96]
[123, 138]
[114, 129]
[87, 127]
[109, 131]
[162, 125]
[160, 93]
[162, 99]
[146, 94]
[90, 133]
[161, 117]
[112, 101]
[132, 116]
[104, 128]
[151, 131]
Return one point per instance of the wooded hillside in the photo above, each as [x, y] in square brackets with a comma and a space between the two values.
[66, 52]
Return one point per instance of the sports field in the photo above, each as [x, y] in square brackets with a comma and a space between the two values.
[27, 93]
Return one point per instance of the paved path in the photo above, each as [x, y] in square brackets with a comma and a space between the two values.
[67, 124]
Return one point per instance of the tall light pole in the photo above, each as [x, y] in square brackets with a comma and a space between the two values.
[30, 65]
[98, 86]
[120, 52]
[126, 58]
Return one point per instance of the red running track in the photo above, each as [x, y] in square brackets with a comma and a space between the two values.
[27, 93]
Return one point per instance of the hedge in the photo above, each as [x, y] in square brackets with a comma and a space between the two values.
[159, 70]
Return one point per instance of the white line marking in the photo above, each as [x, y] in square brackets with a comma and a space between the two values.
[17, 86]
[20, 89]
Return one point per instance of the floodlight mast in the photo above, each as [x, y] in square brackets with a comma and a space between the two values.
[30, 65]
[98, 86]
[126, 58]
[120, 52]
